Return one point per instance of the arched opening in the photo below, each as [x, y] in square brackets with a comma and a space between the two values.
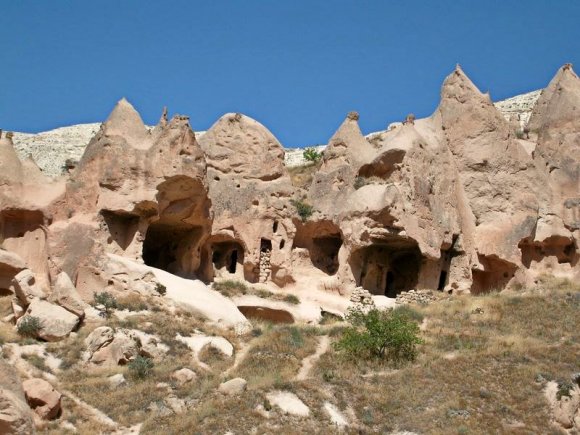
[387, 268]
[122, 227]
[323, 242]
[495, 275]
[172, 246]
[227, 256]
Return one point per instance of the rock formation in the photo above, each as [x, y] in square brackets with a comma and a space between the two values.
[459, 201]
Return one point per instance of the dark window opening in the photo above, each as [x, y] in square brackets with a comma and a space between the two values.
[275, 226]
[442, 280]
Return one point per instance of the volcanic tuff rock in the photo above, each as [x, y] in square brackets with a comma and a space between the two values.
[461, 201]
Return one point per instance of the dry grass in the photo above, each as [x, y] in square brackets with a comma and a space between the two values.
[477, 372]
[302, 176]
[276, 356]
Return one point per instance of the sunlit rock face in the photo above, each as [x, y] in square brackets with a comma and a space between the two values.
[464, 201]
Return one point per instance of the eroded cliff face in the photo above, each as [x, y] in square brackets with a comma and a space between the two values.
[460, 201]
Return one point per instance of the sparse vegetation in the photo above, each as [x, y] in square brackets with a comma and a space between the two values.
[303, 209]
[105, 301]
[140, 367]
[161, 289]
[392, 335]
[291, 299]
[29, 326]
[230, 288]
[311, 155]
[37, 361]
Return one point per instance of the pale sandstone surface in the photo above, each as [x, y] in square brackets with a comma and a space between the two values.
[15, 414]
[42, 397]
[463, 201]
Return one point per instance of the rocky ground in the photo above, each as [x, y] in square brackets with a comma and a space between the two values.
[483, 367]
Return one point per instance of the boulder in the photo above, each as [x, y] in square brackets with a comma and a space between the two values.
[117, 380]
[25, 288]
[15, 414]
[42, 398]
[109, 348]
[184, 375]
[233, 387]
[65, 294]
[55, 322]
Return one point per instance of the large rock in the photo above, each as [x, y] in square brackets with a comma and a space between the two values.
[25, 288]
[65, 294]
[15, 414]
[108, 347]
[56, 323]
[43, 398]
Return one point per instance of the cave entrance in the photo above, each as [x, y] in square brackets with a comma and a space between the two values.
[495, 275]
[442, 280]
[562, 248]
[387, 268]
[171, 246]
[227, 256]
[323, 241]
[122, 227]
[16, 223]
[324, 253]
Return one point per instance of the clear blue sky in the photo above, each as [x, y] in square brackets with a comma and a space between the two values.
[297, 66]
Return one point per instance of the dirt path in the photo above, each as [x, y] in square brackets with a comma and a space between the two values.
[309, 361]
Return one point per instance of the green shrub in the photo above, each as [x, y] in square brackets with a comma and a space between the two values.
[304, 210]
[141, 367]
[292, 299]
[161, 289]
[390, 335]
[29, 326]
[105, 300]
[311, 155]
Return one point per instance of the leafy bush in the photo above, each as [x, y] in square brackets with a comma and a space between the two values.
[304, 210]
[141, 367]
[311, 155]
[105, 300]
[29, 326]
[390, 335]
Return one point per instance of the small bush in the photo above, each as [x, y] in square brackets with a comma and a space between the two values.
[29, 326]
[292, 299]
[311, 155]
[390, 335]
[37, 361]
[105, 300]
[304, 210]
[141, 367]
[161, 289]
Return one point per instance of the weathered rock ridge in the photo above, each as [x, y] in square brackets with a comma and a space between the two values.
[463, 201]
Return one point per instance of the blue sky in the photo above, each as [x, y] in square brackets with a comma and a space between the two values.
[296, 66]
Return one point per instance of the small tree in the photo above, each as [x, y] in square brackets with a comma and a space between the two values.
[105, 300]
[29, 326]
[311, 155]
[390, 335]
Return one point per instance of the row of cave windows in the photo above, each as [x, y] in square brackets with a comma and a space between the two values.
[379, 273]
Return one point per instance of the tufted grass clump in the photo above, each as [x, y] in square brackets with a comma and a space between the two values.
[141, 367]
[303, 209]
[29, 326]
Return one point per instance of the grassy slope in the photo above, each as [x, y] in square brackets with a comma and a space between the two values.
[477, 373]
